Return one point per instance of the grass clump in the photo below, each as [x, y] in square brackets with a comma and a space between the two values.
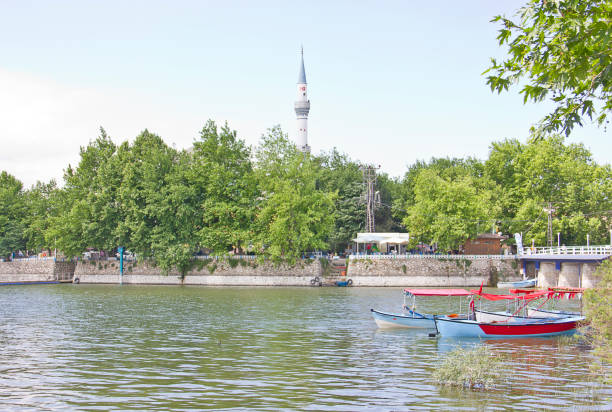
[471, 369]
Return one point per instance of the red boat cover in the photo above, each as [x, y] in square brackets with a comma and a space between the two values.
[438, 292]
[567, 290]
[557, 293]
[519, 291]
[535, 295]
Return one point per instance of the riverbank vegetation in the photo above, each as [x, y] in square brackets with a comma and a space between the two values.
[274, 201]
[598, 308]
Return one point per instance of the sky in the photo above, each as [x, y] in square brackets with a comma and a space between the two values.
[390, 82]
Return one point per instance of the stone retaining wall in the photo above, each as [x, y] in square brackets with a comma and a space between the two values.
[211, 272]
[27, 270]
[423, 272]
[432, 272]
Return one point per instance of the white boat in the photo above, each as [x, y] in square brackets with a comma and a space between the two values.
[407, 320]
[550, 313]
[410, 318]
[526, 283]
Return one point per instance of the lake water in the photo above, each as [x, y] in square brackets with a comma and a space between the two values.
[100, 347]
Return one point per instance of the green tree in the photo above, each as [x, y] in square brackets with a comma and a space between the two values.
[41, 206]
[339, 174]
[293, 215]
[223, 176]
[559, 48]
[388, 190]
[530, 176]
[404, 191]
[12, 210]
[149, 221]
[447, 212]
[81, 219]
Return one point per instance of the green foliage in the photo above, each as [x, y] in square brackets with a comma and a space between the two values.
[233, 262]
[598, 308]
[212, 268]
[41, 205]
[559, 49]
[293, 215]
[340, 175]
[528, 176]
[470, 369]
[447, 212]
[12, 210]
[222, 175]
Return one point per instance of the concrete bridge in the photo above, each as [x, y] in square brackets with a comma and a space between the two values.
[564, 266]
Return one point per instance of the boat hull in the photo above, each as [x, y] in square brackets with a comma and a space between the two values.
[394, 320]
[491, 317]
[527, 283]
[517, 328]
[550, 313]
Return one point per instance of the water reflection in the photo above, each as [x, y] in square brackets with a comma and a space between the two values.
[110, 347]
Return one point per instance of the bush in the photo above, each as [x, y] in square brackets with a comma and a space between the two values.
[233, 262]
[598, 308]
[472, 369]
[212, 268]
[243, 263]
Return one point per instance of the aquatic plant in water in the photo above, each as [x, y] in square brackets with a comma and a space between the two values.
[477, 368]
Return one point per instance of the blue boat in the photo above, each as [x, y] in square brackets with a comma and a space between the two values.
[408, 320]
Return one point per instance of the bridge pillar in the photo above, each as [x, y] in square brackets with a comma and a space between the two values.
[569, 277]
[547, 275]
[589, 280]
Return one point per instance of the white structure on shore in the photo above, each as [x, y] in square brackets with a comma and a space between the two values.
[302, 107]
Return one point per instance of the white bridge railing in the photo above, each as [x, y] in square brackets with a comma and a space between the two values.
[569, 250]
[439, 257]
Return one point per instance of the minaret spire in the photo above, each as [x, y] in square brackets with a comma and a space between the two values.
[302, 107]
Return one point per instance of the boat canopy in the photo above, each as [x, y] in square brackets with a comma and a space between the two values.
[529, 296]
[567, 290]
[437, 292]
[522, 291]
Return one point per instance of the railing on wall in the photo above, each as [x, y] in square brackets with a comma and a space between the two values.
[569, 250]
[440, 257]
[247, 257]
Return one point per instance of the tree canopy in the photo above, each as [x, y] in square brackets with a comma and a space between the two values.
[221, 195]
[559, 49]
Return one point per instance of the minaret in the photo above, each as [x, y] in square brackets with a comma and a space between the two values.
[302, 107]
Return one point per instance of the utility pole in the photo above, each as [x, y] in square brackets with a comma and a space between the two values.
[372, 197]
[549, 231]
